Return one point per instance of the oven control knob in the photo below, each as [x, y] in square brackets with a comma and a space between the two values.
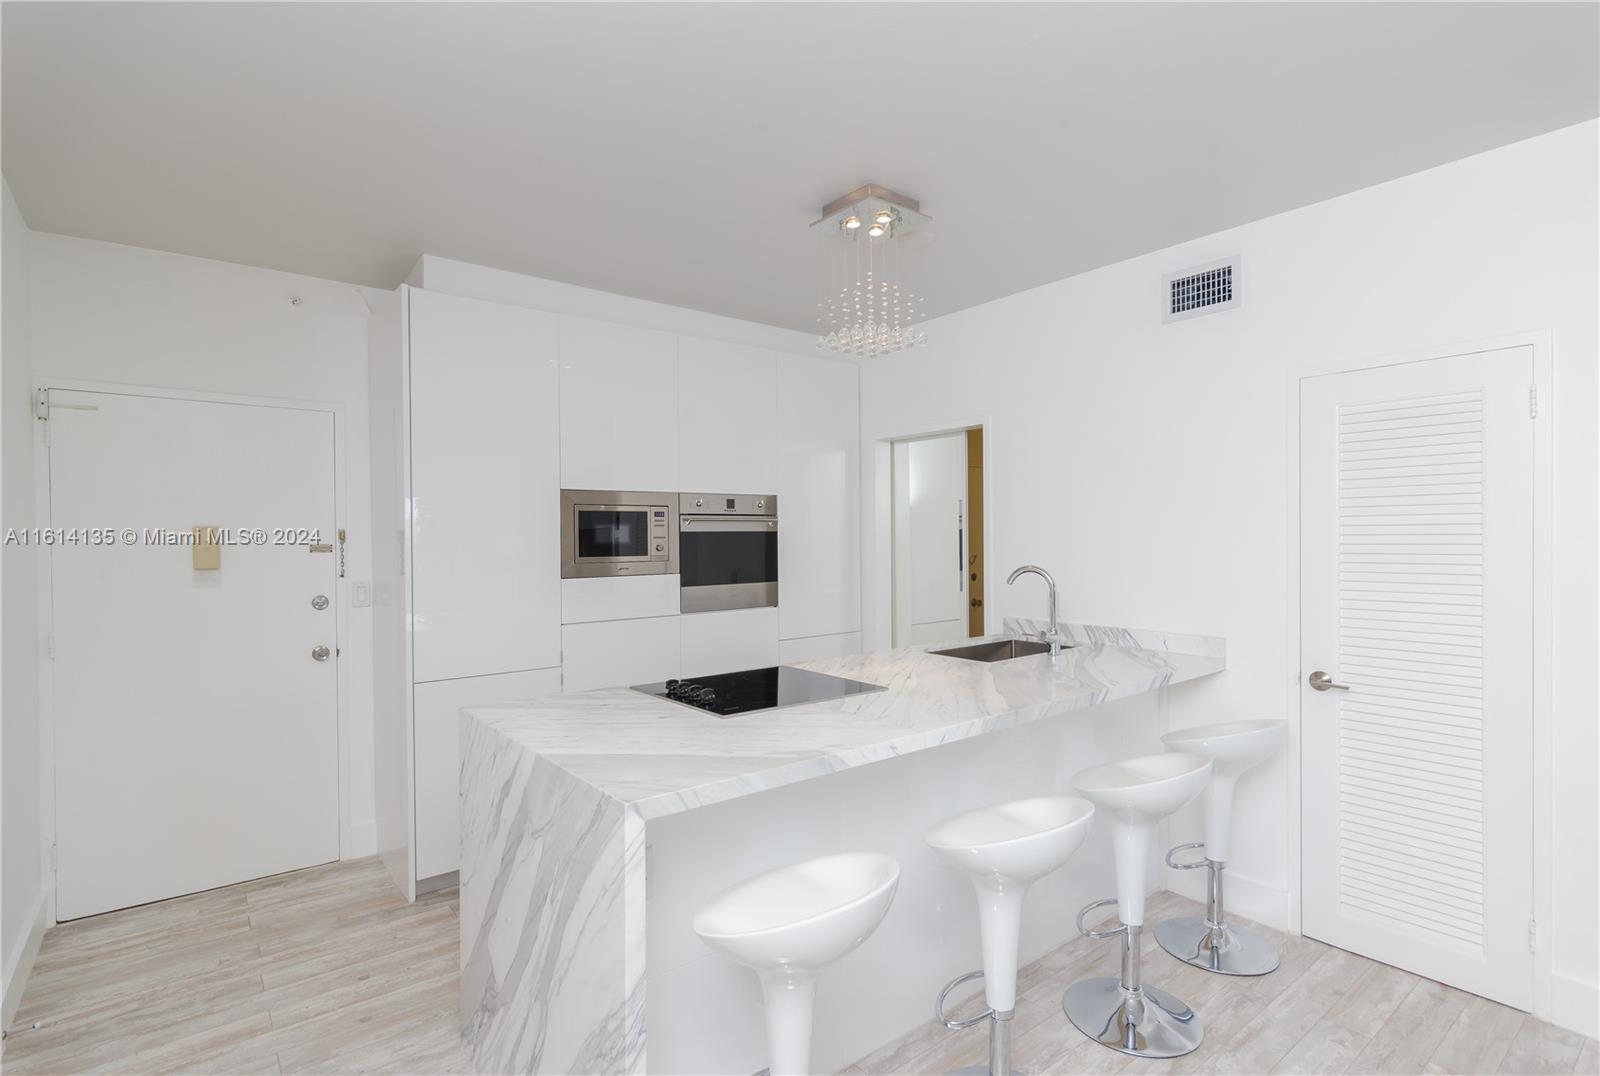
[699, 502]
[761, 504]
[660, 548]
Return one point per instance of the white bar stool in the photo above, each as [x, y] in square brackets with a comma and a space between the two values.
[1123, 1013]
[1210, 942]
[1005, 849]
[788, 924]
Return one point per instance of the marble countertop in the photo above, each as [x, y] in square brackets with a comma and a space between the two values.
[659, 758]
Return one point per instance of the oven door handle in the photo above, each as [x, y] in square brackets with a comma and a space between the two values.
[722, 523]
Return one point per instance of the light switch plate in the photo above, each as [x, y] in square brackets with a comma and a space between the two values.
[360, 595]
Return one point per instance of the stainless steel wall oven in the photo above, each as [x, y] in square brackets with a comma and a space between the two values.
[727, 551]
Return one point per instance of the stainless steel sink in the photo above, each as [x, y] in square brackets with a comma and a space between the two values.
[1003, 650]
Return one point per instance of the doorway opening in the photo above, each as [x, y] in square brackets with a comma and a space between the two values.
[937, 539]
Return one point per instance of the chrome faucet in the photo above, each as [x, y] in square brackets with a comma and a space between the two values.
[1052, 633]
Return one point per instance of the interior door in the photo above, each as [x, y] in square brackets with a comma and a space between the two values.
[196, 722]
[1416, 601]
[930, 539]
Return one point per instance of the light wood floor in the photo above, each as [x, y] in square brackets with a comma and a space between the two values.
[322, 970]
[328, 970]
[1323, 1010]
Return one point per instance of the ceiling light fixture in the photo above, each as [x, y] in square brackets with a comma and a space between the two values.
[867, 307]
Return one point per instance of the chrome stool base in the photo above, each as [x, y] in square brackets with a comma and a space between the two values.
[1210, 941]
[1148, 1022]
[1224, 949]
[1123, 1013]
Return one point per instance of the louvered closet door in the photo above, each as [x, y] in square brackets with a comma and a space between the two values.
[1416, 546]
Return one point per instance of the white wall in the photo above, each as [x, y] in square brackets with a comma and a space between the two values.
[109, 313]
[21, 862]
[1145, 463]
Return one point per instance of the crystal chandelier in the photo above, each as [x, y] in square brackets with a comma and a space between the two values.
[867, 306]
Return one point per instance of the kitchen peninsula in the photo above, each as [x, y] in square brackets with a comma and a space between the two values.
[561, 797]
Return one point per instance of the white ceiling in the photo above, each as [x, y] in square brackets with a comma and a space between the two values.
[678, 152]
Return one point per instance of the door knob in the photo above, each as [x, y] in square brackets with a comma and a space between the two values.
[1321, 681]
[319, 602]
[320, 653]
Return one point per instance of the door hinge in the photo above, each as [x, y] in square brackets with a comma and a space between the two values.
[55, 856]
[1533, 935]
[41, 404]
[1533, 400]
[50, 646]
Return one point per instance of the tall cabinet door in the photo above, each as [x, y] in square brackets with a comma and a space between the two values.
[727, 418]
[485, 488]
[819, 497]
[619, 407]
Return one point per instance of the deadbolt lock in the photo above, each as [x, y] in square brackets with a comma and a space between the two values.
[319, 602]
[320, 653]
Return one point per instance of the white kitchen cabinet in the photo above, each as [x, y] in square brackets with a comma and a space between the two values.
[619, 407]
[466, 494]
[485, 488]
[619, 653]
[729, 640]
[619, 598]
[437, 709]
[481, 413]
[819, 646]
[819, 502]
[727, 418]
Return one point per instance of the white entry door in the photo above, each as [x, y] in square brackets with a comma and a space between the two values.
[1416, 571]
[196, 733]
[930, 540]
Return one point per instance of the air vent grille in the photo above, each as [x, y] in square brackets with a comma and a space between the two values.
[1201, 290]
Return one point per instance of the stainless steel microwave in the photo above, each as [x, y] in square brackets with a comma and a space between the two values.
[611, 532]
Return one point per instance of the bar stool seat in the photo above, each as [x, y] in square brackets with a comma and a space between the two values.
[1123, 1013]
[788, 924]
[1005, 849]
[1210, 942]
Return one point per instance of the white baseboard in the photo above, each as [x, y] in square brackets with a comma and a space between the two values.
[1575, 1005]
[16, 976]
[1242, 896]
[360, 840]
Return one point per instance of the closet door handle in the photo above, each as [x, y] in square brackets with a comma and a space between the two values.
[1321, 681]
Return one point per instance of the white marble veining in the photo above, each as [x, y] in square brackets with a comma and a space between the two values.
[556, 794]
[659, 758]
[1170, 642]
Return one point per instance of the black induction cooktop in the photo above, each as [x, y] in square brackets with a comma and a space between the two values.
[753, 690]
